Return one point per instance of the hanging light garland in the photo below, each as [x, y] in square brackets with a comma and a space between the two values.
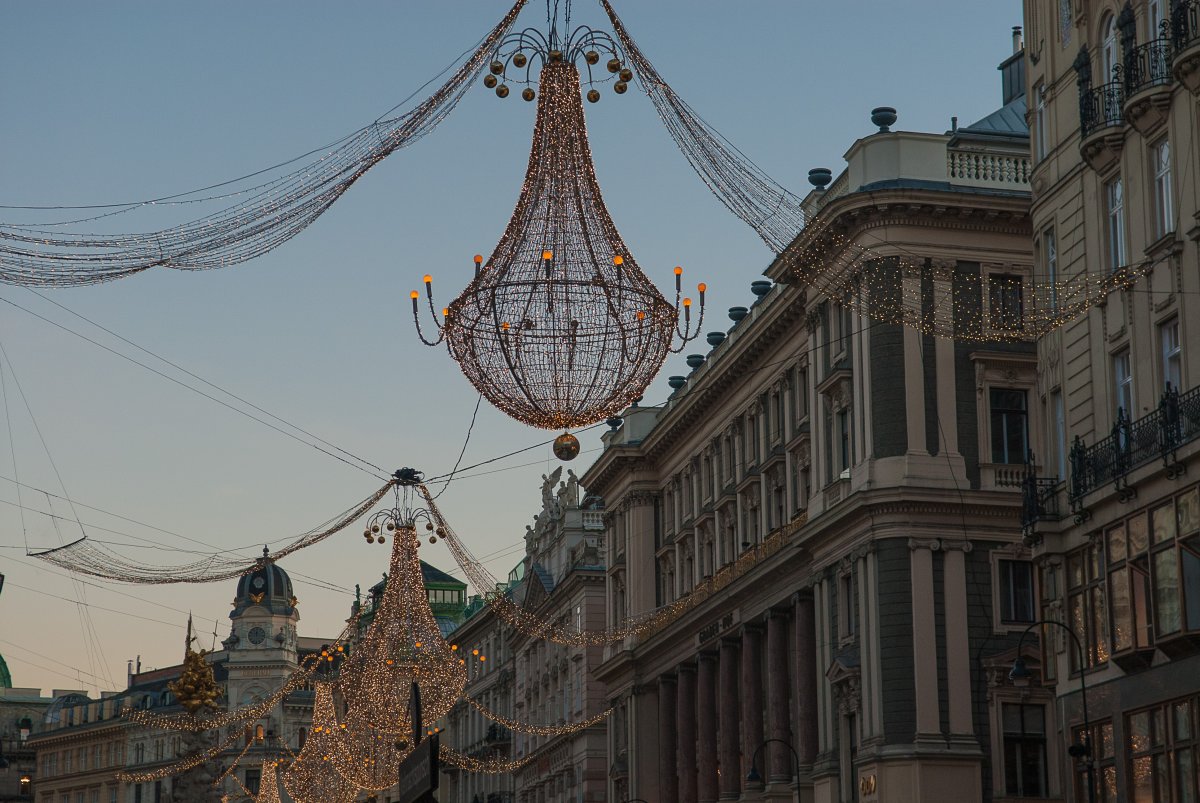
[560, 328]
[483, 766]
[536, 730]
[273, 213]
[541, 627]
[85, 556]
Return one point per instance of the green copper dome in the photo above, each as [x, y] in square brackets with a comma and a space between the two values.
[5, 677]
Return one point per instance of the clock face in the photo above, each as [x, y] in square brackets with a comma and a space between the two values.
[256, 635]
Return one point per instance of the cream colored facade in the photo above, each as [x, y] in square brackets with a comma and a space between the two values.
[847, 482]
[1115, 184]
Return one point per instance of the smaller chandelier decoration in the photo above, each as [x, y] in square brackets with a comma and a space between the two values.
[560, 328]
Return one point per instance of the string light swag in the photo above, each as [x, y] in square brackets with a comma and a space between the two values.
[560, 328]
[270, 214]
[85, 556]
[520, 53]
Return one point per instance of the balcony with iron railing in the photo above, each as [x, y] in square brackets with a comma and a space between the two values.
[1147, 81]
[1132, 444]
[1100, 108]
[1185, 43]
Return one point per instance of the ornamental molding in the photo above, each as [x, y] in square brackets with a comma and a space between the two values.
[932, 544]
[956, 545]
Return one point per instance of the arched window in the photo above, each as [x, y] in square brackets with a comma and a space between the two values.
[1110, 53]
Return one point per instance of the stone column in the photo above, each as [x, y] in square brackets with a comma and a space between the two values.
[806, 681]
[924, 633]
[706, 720]
[685, 718]
[752, 693]
[779, 758]
[668, 778]
[729, 754]
[958, 646]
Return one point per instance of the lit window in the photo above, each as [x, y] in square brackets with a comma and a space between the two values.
[1114, 195]
[1010, 426]
[1024, 750]
[1087, 609]
[1015, 591]
[1164, 207]
[1006, 303]
[1172, 357]
[1123, 382]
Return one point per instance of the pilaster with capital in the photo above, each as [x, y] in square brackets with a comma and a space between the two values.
[686, 745]
[707, 788]
[729, 753]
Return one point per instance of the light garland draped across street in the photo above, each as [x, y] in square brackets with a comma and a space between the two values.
[485, 766]
[87, 557]
[536, 730]
[274, 213]
[540, 627]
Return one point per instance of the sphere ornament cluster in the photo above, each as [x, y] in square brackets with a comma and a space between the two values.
[560, 328]
[521, 54]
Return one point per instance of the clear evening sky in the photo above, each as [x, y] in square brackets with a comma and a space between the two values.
[118, 101]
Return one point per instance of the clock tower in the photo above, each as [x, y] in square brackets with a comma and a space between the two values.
[262, 639]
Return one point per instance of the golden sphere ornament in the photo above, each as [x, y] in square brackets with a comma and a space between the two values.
[520, 60]
[556, 56]
[502, 91]
[592, 57]
[497, 67]
[490, 81]
[593, 95]
[528, 93]
[614, 66]
[626, 75]
[620, 87]
[566, 447]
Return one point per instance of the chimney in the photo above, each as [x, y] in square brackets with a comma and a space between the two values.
[1012, 69]
[129, 673]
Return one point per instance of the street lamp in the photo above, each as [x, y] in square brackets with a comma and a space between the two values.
[753, 776]
[1020, 676]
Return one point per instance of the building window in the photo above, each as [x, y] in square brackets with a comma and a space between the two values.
[1005, 302]
[846, 617]
[1010, 426]
[1123, 381]
[1039, 122]
[1015, 592]
[1058, 417]
[1050, 255]
[1155, 19]
[1048, 576]
[1024, 750]
[1114, 196]
[1110, 56]
[253, 781]
[843, 425]
[1164, 207]
[26, 785]
[1172, 354]
[1100, 737]
[137, 793]
[1087, 611]
[1163, 752]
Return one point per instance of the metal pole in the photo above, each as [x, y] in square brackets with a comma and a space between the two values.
[1087, 728]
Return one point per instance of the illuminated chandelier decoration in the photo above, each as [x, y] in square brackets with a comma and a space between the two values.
[559, 327]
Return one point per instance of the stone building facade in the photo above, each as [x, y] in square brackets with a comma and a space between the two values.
[1116, 527]
[851, 482]
[21, 714]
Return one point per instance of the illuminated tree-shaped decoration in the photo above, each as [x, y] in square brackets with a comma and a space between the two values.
[311, 777]
[198, 693]
[560, 328]
[402, 645]
[268, 789]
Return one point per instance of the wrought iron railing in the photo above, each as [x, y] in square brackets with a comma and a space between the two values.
[1099, 107]
[1147, 65]
[1157, 435]
[1185, 24]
